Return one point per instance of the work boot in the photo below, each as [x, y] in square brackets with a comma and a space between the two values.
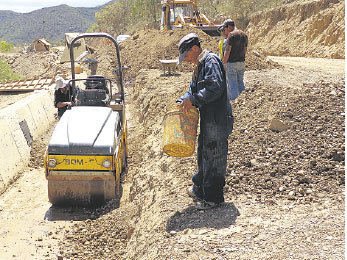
[206, 205]
[195, 192]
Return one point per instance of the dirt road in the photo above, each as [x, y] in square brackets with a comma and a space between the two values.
[158, 217]
[30, 226]
[26, 222]
[330, 66]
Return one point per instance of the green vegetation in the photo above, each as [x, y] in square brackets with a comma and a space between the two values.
[239, 11]
[126, 16]
[116, 17]
[6, 73]
[5, 47]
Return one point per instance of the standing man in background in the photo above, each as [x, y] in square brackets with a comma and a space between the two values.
[234, 57]
[208, 93]
[222, 42]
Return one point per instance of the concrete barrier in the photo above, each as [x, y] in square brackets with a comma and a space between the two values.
[20, 124]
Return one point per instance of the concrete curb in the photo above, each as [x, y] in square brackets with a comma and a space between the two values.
[20, 124]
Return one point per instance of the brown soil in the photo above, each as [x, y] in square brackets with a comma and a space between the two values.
[296, 168]
[29, 65]
[302, 28]
[142, 51]
[270, 176]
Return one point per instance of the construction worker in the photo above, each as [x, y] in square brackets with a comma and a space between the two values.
[234, 57]
[208, 93]
[62, 96]
[222, 42]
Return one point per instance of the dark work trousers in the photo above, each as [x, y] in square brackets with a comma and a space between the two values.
[212, 159]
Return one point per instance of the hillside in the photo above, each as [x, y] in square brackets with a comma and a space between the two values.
[51, 23]
[309, 29]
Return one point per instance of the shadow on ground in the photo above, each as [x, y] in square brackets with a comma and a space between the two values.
[170, 75]
[59, 213]
[191, 218]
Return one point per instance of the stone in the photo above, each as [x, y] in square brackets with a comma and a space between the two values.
[277, 125]
[254, 162]
[282, 188]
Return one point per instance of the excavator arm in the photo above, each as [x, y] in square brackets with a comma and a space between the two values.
[185, 12]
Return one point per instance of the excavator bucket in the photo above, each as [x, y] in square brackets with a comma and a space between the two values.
[210, 30]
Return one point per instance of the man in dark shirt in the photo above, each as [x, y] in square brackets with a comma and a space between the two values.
[234, 57]
[61, 96]
[208, 92]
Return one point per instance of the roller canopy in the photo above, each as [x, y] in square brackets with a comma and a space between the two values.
[86, 130]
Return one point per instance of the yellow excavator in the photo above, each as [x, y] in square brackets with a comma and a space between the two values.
[179, 13]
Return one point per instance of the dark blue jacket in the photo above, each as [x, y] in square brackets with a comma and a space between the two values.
[208, 91]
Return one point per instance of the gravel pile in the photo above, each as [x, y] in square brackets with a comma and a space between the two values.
[143, 51]
[299, 163]
[105, 238]
[35, 64]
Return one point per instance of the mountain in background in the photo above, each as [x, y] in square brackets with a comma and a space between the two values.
[50, 23]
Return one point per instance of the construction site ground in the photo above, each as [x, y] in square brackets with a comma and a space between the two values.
[285, 190]
[156, 218]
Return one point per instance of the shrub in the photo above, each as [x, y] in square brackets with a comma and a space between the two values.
[6, 73]
[5, 47]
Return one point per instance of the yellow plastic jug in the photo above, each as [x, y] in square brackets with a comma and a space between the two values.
[180, 131]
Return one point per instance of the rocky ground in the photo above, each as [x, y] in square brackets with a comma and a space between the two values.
[34, 64]
[29, 65]
[280, 185]
[302, 28]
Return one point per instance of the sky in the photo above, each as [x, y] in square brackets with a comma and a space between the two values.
[26, 6]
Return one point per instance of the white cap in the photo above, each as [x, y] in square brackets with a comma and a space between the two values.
[60, 83]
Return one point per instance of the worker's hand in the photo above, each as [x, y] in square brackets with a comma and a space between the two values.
[186, 105]
[75, 102]
[68, 104]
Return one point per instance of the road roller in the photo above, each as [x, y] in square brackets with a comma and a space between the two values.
[87, 152]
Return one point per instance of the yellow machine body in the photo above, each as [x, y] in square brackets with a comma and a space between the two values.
[178, 13]
[85, 179]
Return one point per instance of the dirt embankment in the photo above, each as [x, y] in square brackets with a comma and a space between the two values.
[29, 65]
[269, 173]
[34, 64]
[307, 28]
[276, 180]
[145, 48]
